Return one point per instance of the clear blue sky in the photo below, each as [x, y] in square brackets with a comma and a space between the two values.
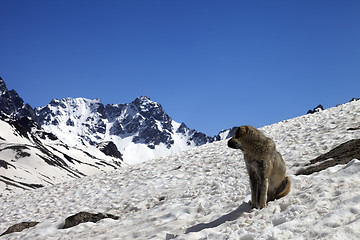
[211, 64]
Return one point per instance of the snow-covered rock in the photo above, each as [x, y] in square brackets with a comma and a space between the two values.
[204, 193]
[141, 129]
[13, 105]
[318, 108]
[32, 158]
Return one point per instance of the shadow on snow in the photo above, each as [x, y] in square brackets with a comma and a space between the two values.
[244, 207]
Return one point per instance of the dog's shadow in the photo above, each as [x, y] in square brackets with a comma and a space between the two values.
[244, 207]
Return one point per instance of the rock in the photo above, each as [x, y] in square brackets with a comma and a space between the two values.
[19, 227]
[6, 165]
[24, 126]
[225, 134]
[142, 119]
[83, 217]
[317, 109]
[200, 138]
[183, 128]
[13, 105]
[354, 128]
[110, 149]
[342, 154]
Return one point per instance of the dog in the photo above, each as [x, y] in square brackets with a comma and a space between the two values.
[265, 166]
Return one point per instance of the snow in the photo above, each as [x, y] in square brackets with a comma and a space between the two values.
[82, 110]
[25, 162]
[204, 193]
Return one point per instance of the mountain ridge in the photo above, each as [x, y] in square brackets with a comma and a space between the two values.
[140, 130]
[140, 122]
[31, 157]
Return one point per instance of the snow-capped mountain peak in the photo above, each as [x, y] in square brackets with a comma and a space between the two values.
[31, 157]
[141, 129]
[13, 105]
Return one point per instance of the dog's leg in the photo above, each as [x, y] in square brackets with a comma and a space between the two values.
[254, 191]
[264, 187]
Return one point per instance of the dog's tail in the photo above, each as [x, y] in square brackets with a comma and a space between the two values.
[284, 189]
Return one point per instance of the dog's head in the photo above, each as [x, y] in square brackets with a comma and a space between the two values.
[235, 141]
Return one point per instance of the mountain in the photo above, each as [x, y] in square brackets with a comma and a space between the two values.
[141, 129]
[204, 193]
[31, 157]
[72, 138]
[316, 109]
[13, 105]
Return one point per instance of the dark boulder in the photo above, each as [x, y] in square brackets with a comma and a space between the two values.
[342, 154]
[83, 217]
[19, 227]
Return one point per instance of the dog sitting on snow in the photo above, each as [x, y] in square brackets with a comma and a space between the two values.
[265, 166]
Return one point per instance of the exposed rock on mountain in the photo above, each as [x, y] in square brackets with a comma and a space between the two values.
[13, 105]
[110, 149]
[225, 134]
[31, 157]
[316, 109]
[131, 126]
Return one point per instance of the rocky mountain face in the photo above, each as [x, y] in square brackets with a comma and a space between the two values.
[139, 130]
[319, 108]
[131, 126]
[13, 105]
[31, 157]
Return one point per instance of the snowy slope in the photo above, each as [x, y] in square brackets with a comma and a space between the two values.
[141, 129]
[31, 158]
[203, 193]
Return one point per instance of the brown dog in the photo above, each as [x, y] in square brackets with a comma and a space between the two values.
[265, 166]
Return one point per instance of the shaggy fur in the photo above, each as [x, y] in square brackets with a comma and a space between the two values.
[265, 166]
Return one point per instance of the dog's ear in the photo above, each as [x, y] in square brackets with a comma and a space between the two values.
[240, 131]
[237, 133]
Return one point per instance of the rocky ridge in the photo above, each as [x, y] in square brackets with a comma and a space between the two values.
[143, 120]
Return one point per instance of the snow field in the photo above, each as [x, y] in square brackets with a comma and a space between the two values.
[203, 193]
[22, 161]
